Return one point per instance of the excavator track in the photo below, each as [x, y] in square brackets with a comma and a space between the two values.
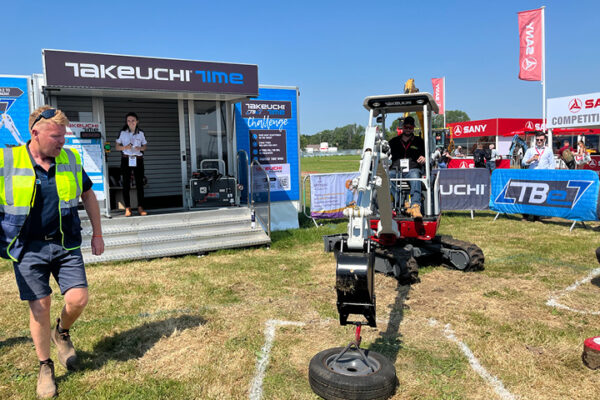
[475, 255]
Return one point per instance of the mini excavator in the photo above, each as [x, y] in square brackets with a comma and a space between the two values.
[380, 238]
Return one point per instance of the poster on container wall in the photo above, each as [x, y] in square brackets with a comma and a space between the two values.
[14, 110]
[86, 138]
[267, 130]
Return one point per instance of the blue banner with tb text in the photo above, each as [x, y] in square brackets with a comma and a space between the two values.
[569, 194]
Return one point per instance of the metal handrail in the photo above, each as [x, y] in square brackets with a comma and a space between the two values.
[220, 164]
[255, 162]
[247, 171]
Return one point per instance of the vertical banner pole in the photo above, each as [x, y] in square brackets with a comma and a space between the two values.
[544, 73]
[444, 91]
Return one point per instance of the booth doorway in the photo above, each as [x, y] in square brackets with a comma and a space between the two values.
[208, 136]
[159, 119]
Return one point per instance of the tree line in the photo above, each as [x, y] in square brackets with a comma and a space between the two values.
[351, 136]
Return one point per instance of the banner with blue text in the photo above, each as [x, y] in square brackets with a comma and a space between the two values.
[267, 129]
[569, 194]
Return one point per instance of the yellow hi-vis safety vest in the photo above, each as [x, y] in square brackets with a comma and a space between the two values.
[17, 194]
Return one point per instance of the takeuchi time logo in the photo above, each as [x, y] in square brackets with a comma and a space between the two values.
[529, 63]
[575, 105]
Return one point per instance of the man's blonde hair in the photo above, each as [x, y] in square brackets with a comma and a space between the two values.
[59, 117]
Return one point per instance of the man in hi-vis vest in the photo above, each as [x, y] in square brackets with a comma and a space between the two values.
[40, 231]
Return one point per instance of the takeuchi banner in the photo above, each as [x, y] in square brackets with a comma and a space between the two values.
[530, 45]
[438, 93]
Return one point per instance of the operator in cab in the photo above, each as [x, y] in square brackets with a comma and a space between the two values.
[408, 159]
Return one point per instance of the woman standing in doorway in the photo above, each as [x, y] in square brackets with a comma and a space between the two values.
[132, 143]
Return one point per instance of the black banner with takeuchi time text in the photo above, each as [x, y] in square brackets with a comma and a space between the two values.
[110, 71]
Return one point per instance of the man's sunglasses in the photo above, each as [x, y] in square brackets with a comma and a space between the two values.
[539, 140]
[46, 114]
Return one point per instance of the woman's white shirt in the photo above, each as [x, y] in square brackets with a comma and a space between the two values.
[135, 139]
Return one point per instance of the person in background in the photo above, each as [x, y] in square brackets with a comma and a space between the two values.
[539, 156]
[41, 233]
[582, 157]
[458, 152]
[493, 156]
[132, 143]
[436, 157]
[445, 159]
[565, 153]
[479, 156]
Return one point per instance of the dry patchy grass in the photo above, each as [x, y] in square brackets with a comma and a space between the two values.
[193, 328]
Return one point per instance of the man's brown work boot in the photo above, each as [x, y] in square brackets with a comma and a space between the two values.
[415, 211]
[46, 386]
[66, 352]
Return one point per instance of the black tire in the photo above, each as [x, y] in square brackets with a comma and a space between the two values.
[333, 385]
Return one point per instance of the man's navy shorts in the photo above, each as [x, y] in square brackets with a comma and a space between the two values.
[42, 258]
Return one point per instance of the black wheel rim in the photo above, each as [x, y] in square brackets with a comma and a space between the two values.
[352, 364]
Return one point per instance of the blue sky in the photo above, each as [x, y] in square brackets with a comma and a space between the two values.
[336, 52]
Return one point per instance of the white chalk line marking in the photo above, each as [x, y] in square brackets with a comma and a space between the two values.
[475, 364]
[263, 361]
[553, 300]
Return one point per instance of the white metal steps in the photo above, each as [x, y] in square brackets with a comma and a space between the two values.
[176, 233]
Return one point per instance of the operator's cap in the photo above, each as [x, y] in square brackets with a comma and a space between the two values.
[409, 121]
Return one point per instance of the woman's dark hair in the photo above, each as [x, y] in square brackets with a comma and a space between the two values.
[126, 127]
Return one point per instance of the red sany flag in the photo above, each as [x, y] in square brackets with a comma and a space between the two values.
[530, 45]
[438, 92]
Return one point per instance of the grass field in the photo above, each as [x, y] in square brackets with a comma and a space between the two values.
[193, 328]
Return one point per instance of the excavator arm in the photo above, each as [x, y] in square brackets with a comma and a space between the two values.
[410, 87]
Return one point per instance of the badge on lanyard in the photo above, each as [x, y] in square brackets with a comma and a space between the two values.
[132, 161]
[404, 162]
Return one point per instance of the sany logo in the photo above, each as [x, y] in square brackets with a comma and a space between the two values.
[466, 164]
[529, 63]
[459, 130]
[562, 194]
[436, 93]
[531, 126]
[575, 105]
[592, 103]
